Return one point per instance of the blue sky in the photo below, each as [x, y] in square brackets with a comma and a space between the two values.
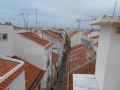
[61, 13]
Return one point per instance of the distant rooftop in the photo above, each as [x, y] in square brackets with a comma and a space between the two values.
[53, 34]
[35, 38]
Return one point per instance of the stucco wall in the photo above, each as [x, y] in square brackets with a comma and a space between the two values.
[18, 83]
[7, 46]
[31, 51]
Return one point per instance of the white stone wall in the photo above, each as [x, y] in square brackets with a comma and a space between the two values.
[31, 51]
[76, 39]
[108, 58]
[18, 83]
[7, 46]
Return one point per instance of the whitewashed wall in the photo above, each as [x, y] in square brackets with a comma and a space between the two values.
[31, 51]
[18, 83]
[108, 58]
[76, 39]
[7, 46]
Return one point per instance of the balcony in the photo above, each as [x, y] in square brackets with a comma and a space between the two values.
[48, 63]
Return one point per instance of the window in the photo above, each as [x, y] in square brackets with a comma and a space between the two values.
[39, 86]
[5, 36]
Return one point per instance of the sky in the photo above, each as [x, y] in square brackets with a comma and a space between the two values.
[58, 13]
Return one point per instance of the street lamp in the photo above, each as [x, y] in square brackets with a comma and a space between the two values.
[36, 16]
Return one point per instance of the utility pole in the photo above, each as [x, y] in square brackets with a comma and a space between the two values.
[36, 17]
[114, 8]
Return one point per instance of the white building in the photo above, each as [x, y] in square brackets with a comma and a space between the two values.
[28, 46]
[75, 38]
[107, 64]
[12, 74]
[58, 41]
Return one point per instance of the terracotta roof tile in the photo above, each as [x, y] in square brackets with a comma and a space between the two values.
[35, 38]
[78, 64]
[95, 37]
[8, 80]
[48, 46]
[73, 33]
[87, 69]
[96, 44]
[31, 73]
[54, 57]
[6, 66]
[53, 34]
[79, 46]
[86, 32]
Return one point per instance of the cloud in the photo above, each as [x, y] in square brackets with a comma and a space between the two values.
[63, 12]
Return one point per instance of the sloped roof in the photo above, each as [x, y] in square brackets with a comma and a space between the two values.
[95, 37]
[73, 33]
[54, 57]
[31, 73]
[87, 69]
[78, 64]
[35, 38]
[96, 44]
[53, 34]
[48, 46]
[5, 67]
[86, 32]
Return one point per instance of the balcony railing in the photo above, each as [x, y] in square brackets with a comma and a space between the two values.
[48, 63]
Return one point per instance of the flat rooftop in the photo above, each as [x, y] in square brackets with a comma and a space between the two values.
[85, 82]
[105, 19]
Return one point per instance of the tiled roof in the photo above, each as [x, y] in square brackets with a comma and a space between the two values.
[6, 66]
[73, 33]
[86, 32]
[78, 46]
[96, 44]
[78, 50]
[31, 73]
[35, 38]
[78, 64]
[87, 69]
[8, 80]
[48, 46]
[54, 57]
[53, 34]
[95, 37]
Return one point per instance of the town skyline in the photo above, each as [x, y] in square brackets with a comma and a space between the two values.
[59, 13]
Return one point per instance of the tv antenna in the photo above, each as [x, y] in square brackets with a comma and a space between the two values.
[114, 8]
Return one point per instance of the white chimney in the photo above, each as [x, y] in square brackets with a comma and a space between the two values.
[108, 57]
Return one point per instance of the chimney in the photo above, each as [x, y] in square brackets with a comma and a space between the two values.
[108, 57]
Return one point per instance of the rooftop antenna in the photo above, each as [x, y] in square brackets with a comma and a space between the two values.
[114, 8]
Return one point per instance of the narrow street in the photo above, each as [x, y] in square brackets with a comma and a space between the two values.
[58, 85]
